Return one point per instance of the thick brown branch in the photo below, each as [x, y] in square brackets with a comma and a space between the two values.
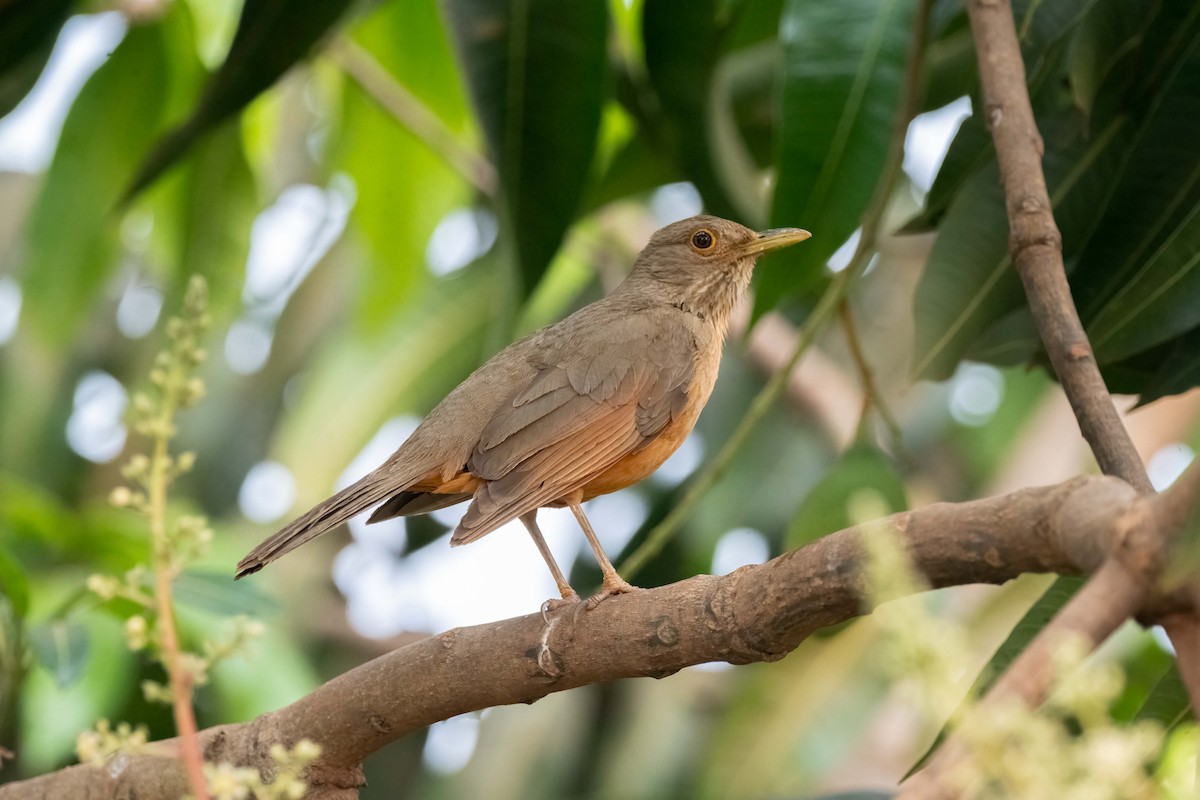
[757, 613]
[1035, 242]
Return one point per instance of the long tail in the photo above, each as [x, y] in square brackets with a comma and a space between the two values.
[342, 506]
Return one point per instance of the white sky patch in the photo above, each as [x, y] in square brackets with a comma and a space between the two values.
[615, 518]
[10, 308]
[1168, 463]
[290, 237]
[248, 346]
[976, 391]
[94, 429]
[138, 311]
[268, 492]
[737, 548]
[390, 436]
[29, 133]
[450, 744]
[841, 257]
[928, 138]
[462, 236]
[682, 463]
[675, 201]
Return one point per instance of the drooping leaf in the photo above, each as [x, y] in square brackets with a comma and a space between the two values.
[272, 36]
[70, 239]
[62, 648]
[843, 73]
[536, 70]
[27, 32]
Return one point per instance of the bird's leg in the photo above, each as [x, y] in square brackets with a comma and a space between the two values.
[564, 588]
[613, 583]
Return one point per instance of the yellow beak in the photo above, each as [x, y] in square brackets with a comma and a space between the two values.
[774, 239]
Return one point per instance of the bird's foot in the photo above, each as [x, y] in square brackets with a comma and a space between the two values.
[611, 587]
[554, 604]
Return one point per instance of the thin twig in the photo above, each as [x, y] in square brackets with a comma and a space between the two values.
[872, 397]
[1035, 243]
[181, 680]
[412, 114]
[838, 289]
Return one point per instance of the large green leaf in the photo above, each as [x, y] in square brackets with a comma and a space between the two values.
[969, 282]
[536, 71]
[403, 188]
[843, 72]
[1126, 197]
[70, 239]
[272, 36]
[826, 508]
[1139, 277]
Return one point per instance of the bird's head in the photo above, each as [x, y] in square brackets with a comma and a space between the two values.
[703, 264]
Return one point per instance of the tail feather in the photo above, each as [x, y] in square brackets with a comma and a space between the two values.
[341, 507]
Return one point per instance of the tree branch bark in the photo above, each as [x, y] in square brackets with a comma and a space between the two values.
[758, 613]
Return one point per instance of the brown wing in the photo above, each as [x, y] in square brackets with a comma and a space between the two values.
[598, 401]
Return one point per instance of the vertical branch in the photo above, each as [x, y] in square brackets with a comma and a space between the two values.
[1036, 244]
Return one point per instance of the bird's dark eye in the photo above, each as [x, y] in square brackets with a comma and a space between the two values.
[702, 240]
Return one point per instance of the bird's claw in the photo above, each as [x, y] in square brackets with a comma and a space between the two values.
[554, 604]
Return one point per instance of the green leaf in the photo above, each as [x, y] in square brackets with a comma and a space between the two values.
[62, 648]
[843, 72]
[403, 188]
[215, 592]
[825, 508]
[71, 241]
[1168, 703]
[1179, 371]
[536, 70]
[682, 41]
[272, 36]
[14, 583]
[968, 282]
[1036, 618]
[28, 29]
[203, 214]
[1139, 276]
